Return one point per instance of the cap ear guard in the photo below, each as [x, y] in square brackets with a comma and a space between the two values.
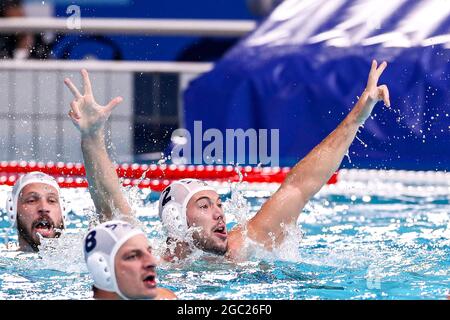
[97, 264]
[173, 205]
[101, 245]
[10, 211]
[174, 220]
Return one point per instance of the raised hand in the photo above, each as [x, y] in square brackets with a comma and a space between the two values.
[373, 93]
[86, 114]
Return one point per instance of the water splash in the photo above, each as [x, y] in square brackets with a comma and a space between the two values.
[236, 208]
[403, 241]
[63, 254]
[347, 154]
[362, 142]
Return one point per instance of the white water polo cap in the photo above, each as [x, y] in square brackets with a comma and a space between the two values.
[29, 178]
[101, 245]
[173, 204]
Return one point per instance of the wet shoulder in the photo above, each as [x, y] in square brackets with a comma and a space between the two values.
[165, 294]
[235, 243]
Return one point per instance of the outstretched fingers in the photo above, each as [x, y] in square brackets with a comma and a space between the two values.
[72, 88]
[371, 81]
[86, 82]
[375, 73]
[373, 67]
[113, 103]
[74, 110]
[381, 68]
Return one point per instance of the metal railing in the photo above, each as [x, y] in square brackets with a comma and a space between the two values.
[34, 104]
[131, 26]
[33, 109]
[97, 65]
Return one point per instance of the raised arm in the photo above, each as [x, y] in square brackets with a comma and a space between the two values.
[313, 171]
[90, 118]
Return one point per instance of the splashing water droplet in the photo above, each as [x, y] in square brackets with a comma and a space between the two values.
[348, 156]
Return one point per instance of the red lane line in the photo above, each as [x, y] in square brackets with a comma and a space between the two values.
[69, 174]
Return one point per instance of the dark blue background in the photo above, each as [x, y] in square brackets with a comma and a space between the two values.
[307, 91]
[150, 47]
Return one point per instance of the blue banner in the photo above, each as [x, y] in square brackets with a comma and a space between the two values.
[303, 69]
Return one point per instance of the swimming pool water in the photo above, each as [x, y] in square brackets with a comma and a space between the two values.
[356, 244]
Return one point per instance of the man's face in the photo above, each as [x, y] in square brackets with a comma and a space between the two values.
[135, 268]
[204, 210]
[38, 211]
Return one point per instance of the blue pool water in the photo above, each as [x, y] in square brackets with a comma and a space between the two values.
[351, 244]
